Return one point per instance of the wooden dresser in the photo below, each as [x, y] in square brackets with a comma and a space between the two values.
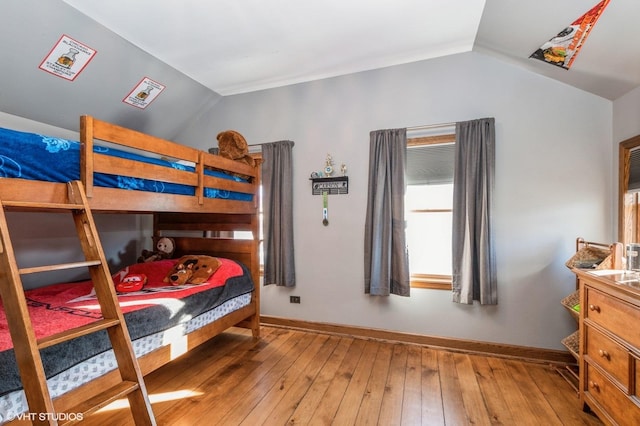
[610, 346]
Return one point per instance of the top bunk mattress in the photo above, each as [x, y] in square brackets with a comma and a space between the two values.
[38, 157]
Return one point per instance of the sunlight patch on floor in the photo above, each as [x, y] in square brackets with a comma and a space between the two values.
[154, 398]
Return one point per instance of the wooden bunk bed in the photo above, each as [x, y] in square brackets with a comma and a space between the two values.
[214, 196]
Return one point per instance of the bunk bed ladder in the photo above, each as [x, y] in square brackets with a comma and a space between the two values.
[27, 347]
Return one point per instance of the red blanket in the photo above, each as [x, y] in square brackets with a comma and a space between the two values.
[58, 307]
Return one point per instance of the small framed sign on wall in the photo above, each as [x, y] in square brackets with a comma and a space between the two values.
[68, 58]
[144, 93]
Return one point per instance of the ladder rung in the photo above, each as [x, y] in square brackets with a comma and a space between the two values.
[67, 335]
[105, 398]
[59, 267]
[42, 206]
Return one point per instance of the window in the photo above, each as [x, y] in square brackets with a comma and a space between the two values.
[428, 210]
[248, 235]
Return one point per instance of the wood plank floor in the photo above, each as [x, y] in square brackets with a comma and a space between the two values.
[291, 377]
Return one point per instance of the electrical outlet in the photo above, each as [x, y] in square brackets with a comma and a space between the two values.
[294, 299]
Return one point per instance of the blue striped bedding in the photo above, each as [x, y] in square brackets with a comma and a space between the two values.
[39, 157]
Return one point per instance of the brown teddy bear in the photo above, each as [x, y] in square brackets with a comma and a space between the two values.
[192, 269]
[232, 145]
[164, 250]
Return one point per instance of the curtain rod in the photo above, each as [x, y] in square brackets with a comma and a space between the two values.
[264, 143]
[431, 126]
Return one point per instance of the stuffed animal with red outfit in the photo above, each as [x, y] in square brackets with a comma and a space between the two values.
[192, 269]
[164, 250]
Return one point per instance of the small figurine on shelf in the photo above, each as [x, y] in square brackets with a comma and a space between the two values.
[343, 169]
[328, 166]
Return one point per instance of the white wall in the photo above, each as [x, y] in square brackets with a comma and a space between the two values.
[553, 184]
[626, 117]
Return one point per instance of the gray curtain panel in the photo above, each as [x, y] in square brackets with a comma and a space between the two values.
[386, 261]
[474, 270]
[277, 189]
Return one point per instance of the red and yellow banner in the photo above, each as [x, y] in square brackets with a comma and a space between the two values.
[562, 49]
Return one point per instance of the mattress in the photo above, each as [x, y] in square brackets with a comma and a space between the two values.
[33, 156]
[152, 314]
[14, 403]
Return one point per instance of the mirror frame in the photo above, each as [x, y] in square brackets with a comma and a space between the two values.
[624, 160]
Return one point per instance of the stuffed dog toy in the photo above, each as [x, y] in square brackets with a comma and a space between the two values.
[192, 269]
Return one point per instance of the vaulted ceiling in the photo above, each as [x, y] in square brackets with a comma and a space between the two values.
[205, 50]
[236, 46]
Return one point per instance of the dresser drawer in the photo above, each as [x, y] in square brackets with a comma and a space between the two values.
[617, 404]
[609, 355]
[620, 318]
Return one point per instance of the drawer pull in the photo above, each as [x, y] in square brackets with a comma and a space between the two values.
[593, 385]
[594, 308]
[604, 354]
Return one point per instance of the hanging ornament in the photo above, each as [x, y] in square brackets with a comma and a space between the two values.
[325, 208]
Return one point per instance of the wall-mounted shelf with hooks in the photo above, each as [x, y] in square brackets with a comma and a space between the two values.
[331, 185]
